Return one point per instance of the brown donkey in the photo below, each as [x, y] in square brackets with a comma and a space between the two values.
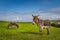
[11, 24]
[42, 24]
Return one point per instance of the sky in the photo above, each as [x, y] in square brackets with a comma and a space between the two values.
[22, 10]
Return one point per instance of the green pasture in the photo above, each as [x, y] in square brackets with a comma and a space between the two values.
[27, 31]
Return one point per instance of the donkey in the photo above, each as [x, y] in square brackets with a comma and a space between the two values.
[11, 24]
[42, 24]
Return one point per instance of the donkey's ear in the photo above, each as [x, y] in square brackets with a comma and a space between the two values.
[32, 15]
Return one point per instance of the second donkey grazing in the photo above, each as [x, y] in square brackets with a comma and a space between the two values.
[12, 24]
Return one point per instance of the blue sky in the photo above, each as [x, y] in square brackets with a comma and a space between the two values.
[22, 10]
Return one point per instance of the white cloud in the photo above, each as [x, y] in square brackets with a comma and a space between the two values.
[51, 14]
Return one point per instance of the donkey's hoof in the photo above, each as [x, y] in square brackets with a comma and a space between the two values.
[48, 33]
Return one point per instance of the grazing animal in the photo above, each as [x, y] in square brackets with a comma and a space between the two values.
[42, 24]
[11, 24]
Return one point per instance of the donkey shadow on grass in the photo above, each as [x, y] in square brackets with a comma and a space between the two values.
[30, 33]
[35, 33]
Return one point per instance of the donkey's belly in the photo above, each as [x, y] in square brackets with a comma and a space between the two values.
[44, 27]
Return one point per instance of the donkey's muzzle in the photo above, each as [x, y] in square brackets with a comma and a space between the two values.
[33, 23]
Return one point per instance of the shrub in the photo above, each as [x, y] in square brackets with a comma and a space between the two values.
[55, 24]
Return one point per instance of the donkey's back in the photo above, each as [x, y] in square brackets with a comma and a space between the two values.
[44, 22]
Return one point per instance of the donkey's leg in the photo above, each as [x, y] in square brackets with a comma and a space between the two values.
[9, 26]
[40, 29]
[17, 26]
[48, 31]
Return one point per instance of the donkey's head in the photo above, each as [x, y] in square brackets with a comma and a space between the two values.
[35, 19]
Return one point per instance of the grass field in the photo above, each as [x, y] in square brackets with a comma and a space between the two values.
[27, 31]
